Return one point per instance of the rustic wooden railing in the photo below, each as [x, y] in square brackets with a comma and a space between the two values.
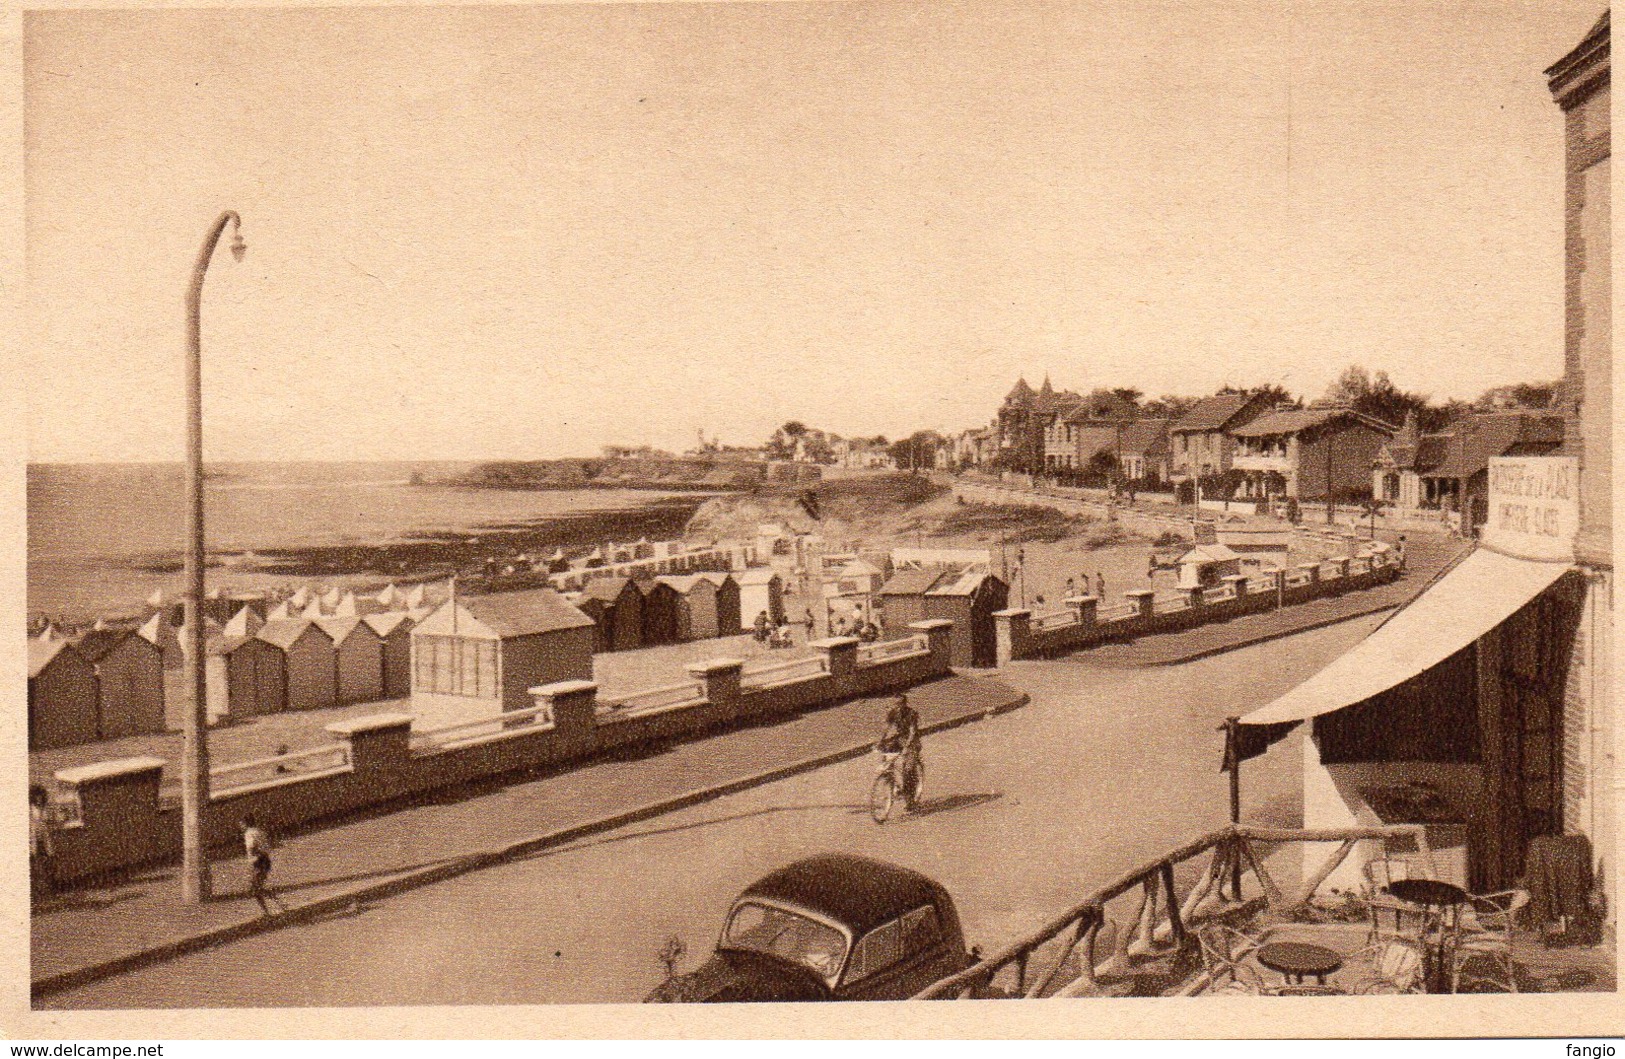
[1084, 949]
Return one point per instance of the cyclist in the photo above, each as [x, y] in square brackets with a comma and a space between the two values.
[902, 736]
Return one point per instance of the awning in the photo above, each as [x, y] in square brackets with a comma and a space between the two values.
[1479, 593]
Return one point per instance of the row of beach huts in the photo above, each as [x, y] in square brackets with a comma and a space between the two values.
[314, 649]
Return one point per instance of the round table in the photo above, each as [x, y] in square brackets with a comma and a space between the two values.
[1444, 900]
[1297, 959]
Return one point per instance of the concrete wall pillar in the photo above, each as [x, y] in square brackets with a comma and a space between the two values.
[719, 683]
[840, 654]
[939, 639]
[1237, 583]
[1312, 571]
[1086, 608]
[1144, 600]
[378, 742]
[1194, 597]
[574, 708]
[1014, 631]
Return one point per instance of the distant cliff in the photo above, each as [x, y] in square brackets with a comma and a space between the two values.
[675, 473]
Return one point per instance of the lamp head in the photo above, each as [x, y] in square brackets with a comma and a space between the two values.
[238, 247]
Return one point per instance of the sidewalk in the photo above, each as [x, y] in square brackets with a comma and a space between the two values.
[1425, 557]
[89, 934]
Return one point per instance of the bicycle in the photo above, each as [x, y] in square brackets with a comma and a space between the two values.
[888, 785]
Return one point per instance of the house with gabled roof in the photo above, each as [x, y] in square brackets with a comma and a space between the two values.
[1309, 453]
[1202, 442]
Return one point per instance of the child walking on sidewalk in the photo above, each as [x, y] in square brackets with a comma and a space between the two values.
[257, 844]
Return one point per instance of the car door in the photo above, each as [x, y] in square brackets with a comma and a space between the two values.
[897, 959]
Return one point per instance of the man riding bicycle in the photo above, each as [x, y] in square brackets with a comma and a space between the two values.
[902, 736]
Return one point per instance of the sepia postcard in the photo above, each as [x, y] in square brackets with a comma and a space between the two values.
[1076, 518]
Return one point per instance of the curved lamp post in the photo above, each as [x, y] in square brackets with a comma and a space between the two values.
[195, 878]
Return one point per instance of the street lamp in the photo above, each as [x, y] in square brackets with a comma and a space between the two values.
[195, 879]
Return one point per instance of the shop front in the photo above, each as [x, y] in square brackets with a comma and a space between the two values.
[1452, 713]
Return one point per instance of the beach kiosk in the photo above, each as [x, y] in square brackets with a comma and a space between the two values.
[358, 659]
[129, 681]
[696, 606]
[483, 654]
[394, 630]
[62, 695]
[1206, 566]
[309, 661]
[616, 607]
[247, 677]
[730, 610]
[660, 605]
[760, 589]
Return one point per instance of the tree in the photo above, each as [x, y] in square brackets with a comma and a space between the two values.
[918, 451]
[1128, 394]
[1168, 406]
[1376, 396]
[1276, 394]
[1537, 395]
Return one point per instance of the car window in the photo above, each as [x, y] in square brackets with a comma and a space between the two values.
[921, 930]
[879, 949]
[782, 933]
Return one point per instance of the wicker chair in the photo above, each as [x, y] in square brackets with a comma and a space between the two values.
[1485, 940]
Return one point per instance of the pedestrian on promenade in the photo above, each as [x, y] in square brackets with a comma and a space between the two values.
[1399, 548]
[807, 620]
[1071, 588]
[1100, 585]
[762, 627]
[257, 844]
[41, 844]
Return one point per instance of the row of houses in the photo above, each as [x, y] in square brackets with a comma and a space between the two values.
[1246, 446]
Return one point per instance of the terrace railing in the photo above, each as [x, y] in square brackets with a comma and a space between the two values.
[783, 672]
[1054, 620]
[1169, 605]
[496, 726]
[1107, 936]
[672, 695]
[871, 653]
[301, 763]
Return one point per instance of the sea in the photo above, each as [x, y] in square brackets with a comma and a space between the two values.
[103, 537]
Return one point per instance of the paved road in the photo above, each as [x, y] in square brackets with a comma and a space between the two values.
[1023, 813]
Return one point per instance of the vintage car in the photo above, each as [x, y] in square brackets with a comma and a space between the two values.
[831, 927]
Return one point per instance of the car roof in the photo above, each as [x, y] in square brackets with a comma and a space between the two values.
[858, 892]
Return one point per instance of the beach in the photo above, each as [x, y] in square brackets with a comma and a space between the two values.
[103, 537]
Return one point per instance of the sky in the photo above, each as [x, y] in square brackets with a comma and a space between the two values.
[529, 231]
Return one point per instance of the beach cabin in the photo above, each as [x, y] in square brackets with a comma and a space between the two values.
[63, 701]
[696, 606]
[484, 653]
[308, 653]
[760, 589]
[730, 611]
[966, 596]
[1206, 566]
[247, 677]
[130, 681]
[159, 632]
[616, 608]
[660, 606]
[358, 659]
[394, 631]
